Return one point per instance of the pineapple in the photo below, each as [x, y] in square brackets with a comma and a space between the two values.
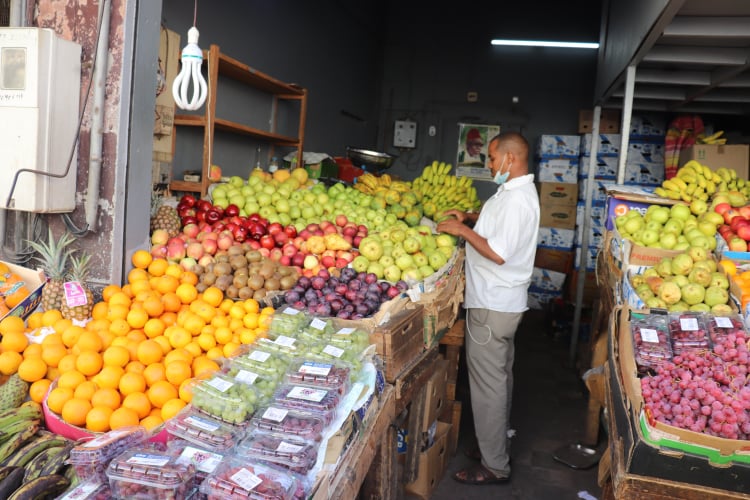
[165, 217]
[79, 271]
[53, 257]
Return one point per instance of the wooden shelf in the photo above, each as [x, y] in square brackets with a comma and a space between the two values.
[221, 65]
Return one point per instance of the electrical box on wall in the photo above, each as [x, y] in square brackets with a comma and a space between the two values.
[405, 134]
[40, 85]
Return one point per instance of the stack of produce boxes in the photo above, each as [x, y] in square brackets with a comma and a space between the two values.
[557, 175]
[645, 160]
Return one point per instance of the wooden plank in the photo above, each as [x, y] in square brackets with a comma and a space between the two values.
[414, 443]
[359, 458]
[453, 355]
[450, 390]
[381, 482]
[455, 335]
[415, 377]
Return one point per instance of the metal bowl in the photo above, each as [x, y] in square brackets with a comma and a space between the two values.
[371, 160]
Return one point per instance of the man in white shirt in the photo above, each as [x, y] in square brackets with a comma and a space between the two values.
[500, 254]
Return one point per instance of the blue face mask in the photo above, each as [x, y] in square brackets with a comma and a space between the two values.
[501, 178]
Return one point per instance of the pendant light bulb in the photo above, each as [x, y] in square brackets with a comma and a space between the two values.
[192, 60]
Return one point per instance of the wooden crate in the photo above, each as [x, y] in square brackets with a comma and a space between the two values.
[399, 341]
[452, 414]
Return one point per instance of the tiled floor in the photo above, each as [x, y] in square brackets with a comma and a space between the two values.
[549, 407]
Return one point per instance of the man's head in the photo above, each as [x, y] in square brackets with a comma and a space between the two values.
[509, 152]
[474, 142]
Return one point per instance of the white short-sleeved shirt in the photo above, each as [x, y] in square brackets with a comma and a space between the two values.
[510, 222]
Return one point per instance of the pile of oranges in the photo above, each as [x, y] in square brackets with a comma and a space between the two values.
[136, 360]
[739, 279]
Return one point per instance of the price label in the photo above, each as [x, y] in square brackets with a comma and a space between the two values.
[345, 331]
[334, 351]
[275, 414]
[202, 423]
[260, 356]
[74, 294]
[285, 447]
[285, 341]
[246, 479]
[204, 461]
[318, 324]
[307, 393]
[689, 324]
[220, 384]
[246, 377]
[724, 322]
[290, 311]
[147, 459]
[649, 335]
[312, 368]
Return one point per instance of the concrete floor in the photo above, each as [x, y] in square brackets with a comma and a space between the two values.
[549, 407]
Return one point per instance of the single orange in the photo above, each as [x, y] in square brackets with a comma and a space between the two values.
[123, 417]
[120, 298]
[97, 419]
[152, 422]
[62, 324]
[34, 320]
[171, 408]
[161, 392]
[136, 318]
[116, 355]
[85, 391]
[32, 369]
[251, 306]
[154, 372]
[14, 340]
[132, 382]
[71, 334]
[67, 363]
[57, 398]
[186, 389]
[177, 372]
[89, 341]
[167, 284]
[139, 403]
[74, 411]
[189, 277]
[109, 376]
[154, 327]
[141, 258]
[186, 292]
[158, 267]
[89, 363]
[213, 296]
[71, 379]
[117, 311]
[108, 397]
[33, 349]
[38, 390]
[153, 306]
[135, 366]
[110, 290]
[10, 361]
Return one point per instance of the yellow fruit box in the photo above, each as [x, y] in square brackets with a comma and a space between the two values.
[34, 281]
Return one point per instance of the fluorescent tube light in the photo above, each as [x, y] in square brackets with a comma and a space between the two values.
[537, 43]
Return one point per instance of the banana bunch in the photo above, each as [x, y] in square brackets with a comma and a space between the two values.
[374, 184]
[438, 190]
[714, 138]
[694, 181]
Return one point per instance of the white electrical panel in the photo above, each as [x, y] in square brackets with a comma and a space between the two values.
[40, 86]
[405, 134]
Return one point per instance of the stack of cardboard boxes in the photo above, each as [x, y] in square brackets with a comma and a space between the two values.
[557, 158]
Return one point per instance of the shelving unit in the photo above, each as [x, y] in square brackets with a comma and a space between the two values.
[221, 65]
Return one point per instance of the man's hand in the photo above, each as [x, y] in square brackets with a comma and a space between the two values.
[458, 214]
[452, 226]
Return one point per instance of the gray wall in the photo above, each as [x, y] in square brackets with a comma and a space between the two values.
[369, 63]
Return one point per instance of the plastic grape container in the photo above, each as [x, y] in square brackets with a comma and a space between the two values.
[205, 461]
[309, 397]
[288, 347]
[255, 358]
[334, 376]
[89, 489]
[688, 332]
[203, 431]
[226, 398]
[287, 322]
[319, 330]
[90, 458]
[237, 479]
[145, 474]
[721, 326]
[265, 384]
[351, 338]
[288, 451]
[290, 421]
[331, 352]
[651, 343]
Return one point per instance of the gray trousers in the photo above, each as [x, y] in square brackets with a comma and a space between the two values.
[489, 358]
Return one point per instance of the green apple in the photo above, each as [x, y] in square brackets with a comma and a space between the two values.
[633, 224]
[668, 240]
[420, 259]
[680, 211]
[377, 269]
[386, 260]
[411, 245]
[437, 260]
[392, 273]
[360, 263]
[426, 271]
[370, 248]
[404, 262]
[649, 236]
[673, 226]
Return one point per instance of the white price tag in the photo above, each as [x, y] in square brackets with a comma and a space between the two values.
[285, 447]
[202, 423]
[312, 368]
[318, 324]
[307, 393]
[285, 341]
[246, 479]
[220, 384]
[147, 459]
[345, 331]
[260, 356]
[649, 335]
[275, 414]
[334, 351]
[724, 322]
[204, 461]
[290, 311]
[246, 377]
[689, 324]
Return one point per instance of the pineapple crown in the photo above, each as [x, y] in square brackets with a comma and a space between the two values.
[79, 267]
[53, 254]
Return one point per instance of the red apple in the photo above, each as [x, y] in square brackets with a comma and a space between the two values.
[328, 261]
[289, 249]
[274, 227]
[319, 232]
[232, 210]
[341, 220]
[159, 251]
[744, 232]
[159, 237]
[298, 241]
[276, 254]
[267, 241]
[745, 211]
[730, 214]
[189, 219]
[356, 240]
[195, 250]
[298, 259]
[362, 229]
[737, 244]
[206, 260]
[225, 240]
[342, 263]
[330, 230]
[736, 221]
[203, 205]
[210, 246]
[280, 238]
[285, 260]
[191, 230]
[349, 230]
[290, 231]
[304, 234]
[721, 208]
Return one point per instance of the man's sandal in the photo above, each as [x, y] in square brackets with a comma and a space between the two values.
[478, 474]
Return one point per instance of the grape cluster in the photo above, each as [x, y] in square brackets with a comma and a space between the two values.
[704, 391]
[688, 332]
[290, 452]
[240, 480]
[651, 342]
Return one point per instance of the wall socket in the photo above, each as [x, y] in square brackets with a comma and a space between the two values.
[405, 134]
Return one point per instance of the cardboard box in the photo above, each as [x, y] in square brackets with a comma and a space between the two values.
[436, 401]
[646, 152]
[400, 341]
[621, 199]
[609, 145]
[596, 236]
[34, 282]
[546, 280]
[554, 259]
[557, 170]
[642, 127]
[598, 214]
[644, 174]
[556, 193]
[559, 216]
[714, 156]
[590, 287]
[452, 414]
[432, 463]
[559, 146]
[609, 121]
[605, 168]
[658, 450]
[590, 258]
[599, 191]
[552, 237]
[441, 308]
[538, 299]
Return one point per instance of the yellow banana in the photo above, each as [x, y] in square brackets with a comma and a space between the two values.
[669, 185]
[690, 189]
[707, 173]
[693, 163]
[661, 192]
[679, 182]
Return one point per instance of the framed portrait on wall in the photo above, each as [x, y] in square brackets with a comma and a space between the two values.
[471, 155]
